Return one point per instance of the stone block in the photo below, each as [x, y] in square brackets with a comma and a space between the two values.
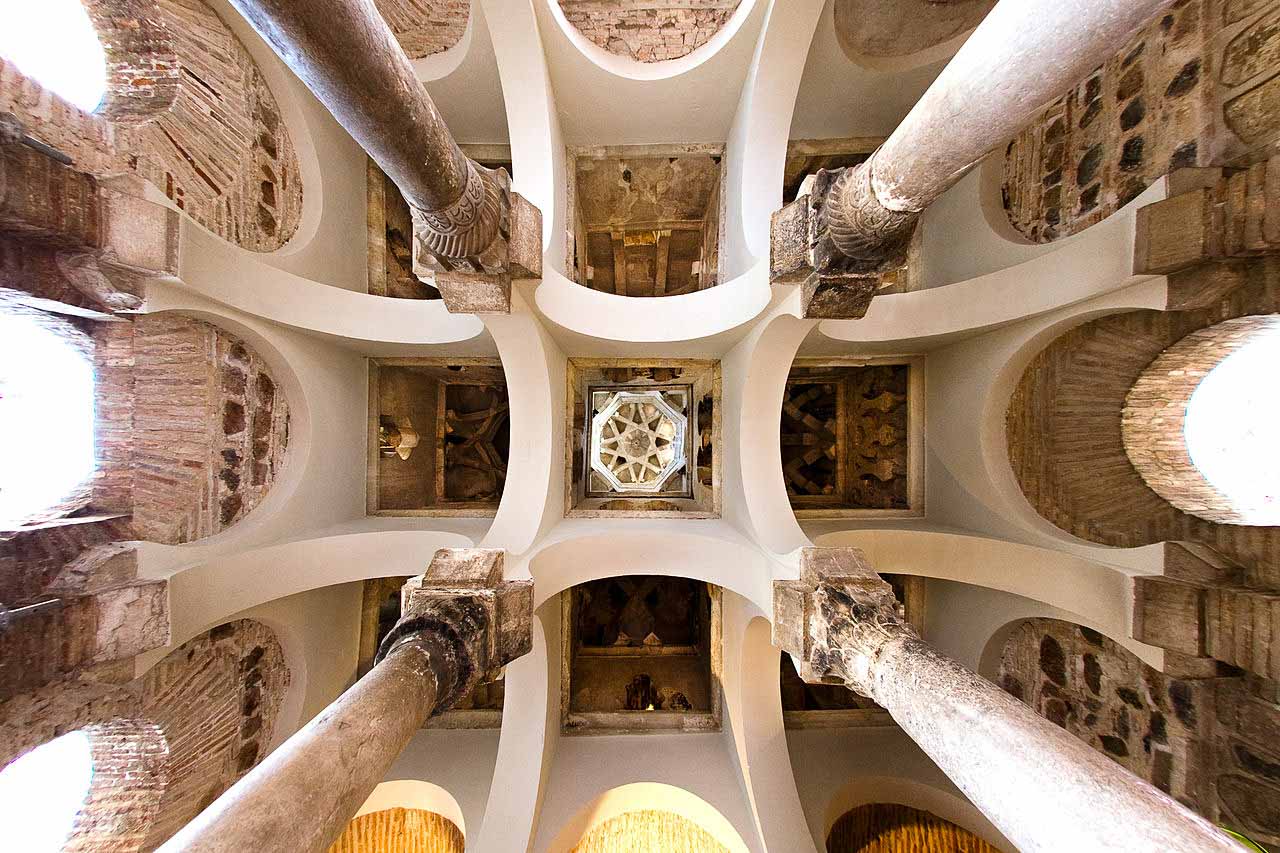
[525, 251]
[1195, 563]
[789, 243]
[1169, 614]
[1174, 234]
[837, 297]
[463, 567]
[130, 620]
[489, 617]
[139, 235]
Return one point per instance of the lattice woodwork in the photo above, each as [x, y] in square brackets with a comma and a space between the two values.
[844, 437]
[472, 441]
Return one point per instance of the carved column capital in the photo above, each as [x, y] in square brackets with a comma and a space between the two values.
[469, 235]
[472, 622]
[838, 619]
[854, 233]
[471, 250]
[838, 241]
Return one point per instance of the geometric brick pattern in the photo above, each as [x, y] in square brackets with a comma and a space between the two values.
[1195, 87]
[1066, 448]
[218, 148]
[210, 427]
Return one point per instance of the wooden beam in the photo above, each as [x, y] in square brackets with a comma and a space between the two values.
[619, 263]
[664, 257]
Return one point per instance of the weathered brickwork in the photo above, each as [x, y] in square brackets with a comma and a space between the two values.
[212, 140]
[1154, 418]
[426, 27]
[1063, 428]
[1097, 690]
[143, 70]
[1197, 87]
[649, 30]
[210, 428]
[215, 700]
[1211, 743]
[130, 767]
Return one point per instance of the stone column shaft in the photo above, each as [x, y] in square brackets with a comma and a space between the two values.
[1021, 57]
[348, 57]
[470, 231]
[855, 224]
[1043, 788]
[460, 623]
[300, 797]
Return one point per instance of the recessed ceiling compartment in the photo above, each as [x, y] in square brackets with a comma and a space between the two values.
[852, 437]
[439, 436]
[641, 654]
[646, 219]
[643, 438]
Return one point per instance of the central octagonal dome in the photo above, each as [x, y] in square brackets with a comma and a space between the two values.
[637, 441]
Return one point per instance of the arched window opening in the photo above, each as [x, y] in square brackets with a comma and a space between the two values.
[46, 414]
[1199, 423]
[54, 42]
[894, 828]
[1230, 427]
[43, 791]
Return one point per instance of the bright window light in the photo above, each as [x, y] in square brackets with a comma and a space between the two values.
[54, 43]
[1232, 428]
[41, 793]
[46, 418]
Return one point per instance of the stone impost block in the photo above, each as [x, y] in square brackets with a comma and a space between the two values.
[476, 620]
[1210, 215]
[1175, 234]
[1169, 614]
[1200, 564]
[835, 617]
[138, 236]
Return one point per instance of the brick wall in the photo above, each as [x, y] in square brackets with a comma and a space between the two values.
[130, 767]
[1196, 87]
[1154, 417]
[214, 141]
[649, 30]
[1063, 428]
[1210, 743]
[210, 427]
[215, 700]
[426, 27]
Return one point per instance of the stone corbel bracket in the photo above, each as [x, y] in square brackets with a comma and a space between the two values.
[837, 241]
[471, 250]
[476, 621]
[102, 237]
[837, 618]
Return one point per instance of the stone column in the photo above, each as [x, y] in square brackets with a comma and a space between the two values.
[461, 623]
[465, 217]
[855, 223]
[1045, 789]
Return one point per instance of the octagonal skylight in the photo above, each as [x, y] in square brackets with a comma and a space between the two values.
[637, 441]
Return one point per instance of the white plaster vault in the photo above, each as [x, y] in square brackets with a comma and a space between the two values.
[519, 77]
